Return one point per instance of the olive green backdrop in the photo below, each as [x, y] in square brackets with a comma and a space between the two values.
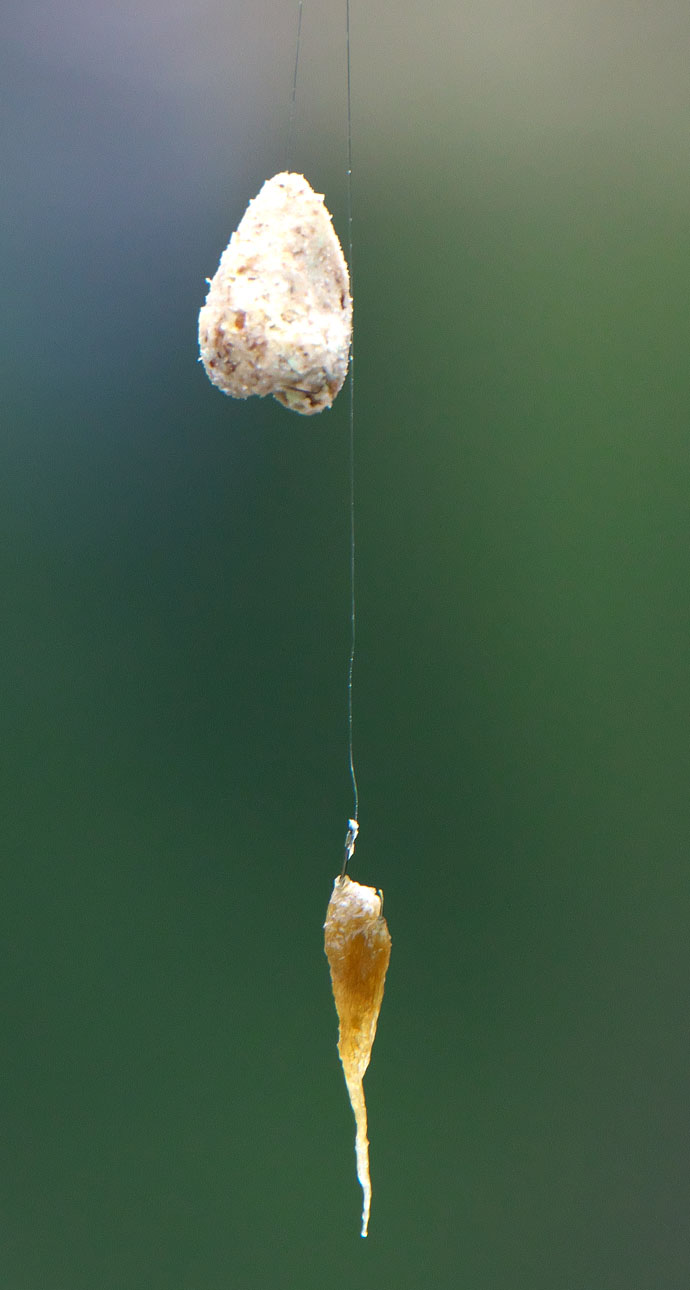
[174, 637]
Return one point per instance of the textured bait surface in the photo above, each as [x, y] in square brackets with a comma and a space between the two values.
[278, 314]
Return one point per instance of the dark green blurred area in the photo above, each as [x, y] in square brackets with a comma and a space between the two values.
[174, 643]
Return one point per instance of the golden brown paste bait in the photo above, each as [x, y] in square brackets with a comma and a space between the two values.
[358, 948]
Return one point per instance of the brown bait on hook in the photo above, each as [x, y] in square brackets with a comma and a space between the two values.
[358, 949]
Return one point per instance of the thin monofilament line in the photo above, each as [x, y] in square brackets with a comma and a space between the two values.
[351, 663]
[293, 100]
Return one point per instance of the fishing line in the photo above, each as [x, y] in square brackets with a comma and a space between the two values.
[353, 823]
[293, 100]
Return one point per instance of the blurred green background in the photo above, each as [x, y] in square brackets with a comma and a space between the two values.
[174, 643]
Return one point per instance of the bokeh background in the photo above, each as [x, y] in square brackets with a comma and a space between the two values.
[174, 638]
